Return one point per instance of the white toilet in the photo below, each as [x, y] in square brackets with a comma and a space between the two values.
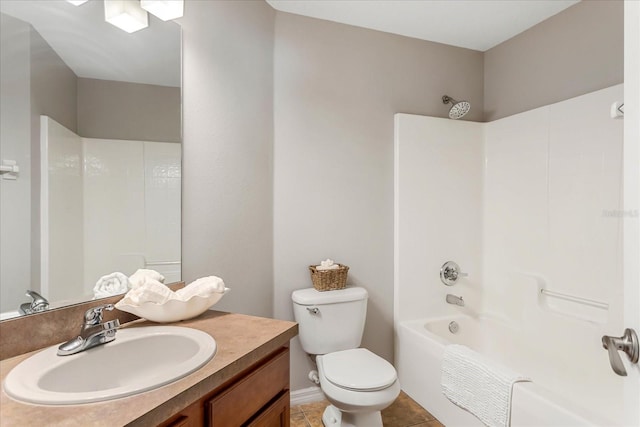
[358, 383]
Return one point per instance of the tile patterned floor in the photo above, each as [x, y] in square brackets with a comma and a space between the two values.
[404, 412]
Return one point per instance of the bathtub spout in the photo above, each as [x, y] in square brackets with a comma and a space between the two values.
[452, 299]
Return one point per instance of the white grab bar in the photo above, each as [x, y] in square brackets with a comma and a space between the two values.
[149, 263]
[573, 298]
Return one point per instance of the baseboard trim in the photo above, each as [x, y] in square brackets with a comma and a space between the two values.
[306, 395]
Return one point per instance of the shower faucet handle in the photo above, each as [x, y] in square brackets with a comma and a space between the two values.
[450, 273]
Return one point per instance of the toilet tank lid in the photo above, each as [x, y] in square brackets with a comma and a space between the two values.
[310, 296]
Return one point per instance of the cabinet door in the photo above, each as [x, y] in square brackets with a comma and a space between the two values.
[275, 415]
[241, 402]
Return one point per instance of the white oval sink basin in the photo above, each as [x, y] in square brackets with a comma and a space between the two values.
[138, 360]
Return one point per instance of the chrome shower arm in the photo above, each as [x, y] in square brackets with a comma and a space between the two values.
[447, 99]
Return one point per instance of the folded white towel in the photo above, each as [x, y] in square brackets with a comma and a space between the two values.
[149, 290]
[327, 264]
[203, 287]
[478, 384]
[111, 284]
[138, 277]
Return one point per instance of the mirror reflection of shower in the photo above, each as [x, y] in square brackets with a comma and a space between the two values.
[458, 108]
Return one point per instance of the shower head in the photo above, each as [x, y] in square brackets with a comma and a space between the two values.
[458, 108]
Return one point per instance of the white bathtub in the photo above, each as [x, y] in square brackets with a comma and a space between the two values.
[561, 393]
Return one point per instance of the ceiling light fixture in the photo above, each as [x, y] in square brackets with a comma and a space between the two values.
[126, 15]
[164, 9]
[77, 2]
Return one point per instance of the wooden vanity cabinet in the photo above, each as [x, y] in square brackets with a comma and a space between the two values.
[256, 397]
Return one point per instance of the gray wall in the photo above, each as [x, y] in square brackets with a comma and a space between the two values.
[120, 110]
[337, 88]
[15, 196]
[227, 210]
[577, 51]
[53, 88]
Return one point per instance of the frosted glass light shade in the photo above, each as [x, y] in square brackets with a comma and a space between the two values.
[77, 2]
[126, 15]
[164, 9]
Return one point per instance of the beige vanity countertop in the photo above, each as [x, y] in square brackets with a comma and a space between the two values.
[242, 340]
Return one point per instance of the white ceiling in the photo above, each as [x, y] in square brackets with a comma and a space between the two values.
[473, 24]
[93, 48]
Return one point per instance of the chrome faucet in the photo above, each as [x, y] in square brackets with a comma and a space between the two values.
[38, 303]
[452, 299]
[93, 332]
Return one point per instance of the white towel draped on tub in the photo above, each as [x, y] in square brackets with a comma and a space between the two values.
[479, 385]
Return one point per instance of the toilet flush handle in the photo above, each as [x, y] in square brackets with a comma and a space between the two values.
[313, 310]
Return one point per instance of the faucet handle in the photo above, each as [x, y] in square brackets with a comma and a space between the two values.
[450, 273]
[37, 304]
[93, 316]
[38, 300]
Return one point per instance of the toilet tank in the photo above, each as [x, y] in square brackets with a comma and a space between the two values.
[331, 320]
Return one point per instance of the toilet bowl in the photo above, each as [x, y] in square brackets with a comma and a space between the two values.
[359, 384]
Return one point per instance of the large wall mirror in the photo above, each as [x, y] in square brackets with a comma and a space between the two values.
[90, 142]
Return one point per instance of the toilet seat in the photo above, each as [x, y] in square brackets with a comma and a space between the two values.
[358, 370]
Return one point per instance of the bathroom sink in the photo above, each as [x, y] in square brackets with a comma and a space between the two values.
[138, 360]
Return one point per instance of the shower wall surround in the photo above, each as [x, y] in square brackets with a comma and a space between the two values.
[61, 200]
[145, 178]
[552, 206]
[438, 213]
[533, 202]
[125, 195]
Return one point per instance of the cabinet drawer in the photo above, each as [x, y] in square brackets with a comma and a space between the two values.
[236, 405]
